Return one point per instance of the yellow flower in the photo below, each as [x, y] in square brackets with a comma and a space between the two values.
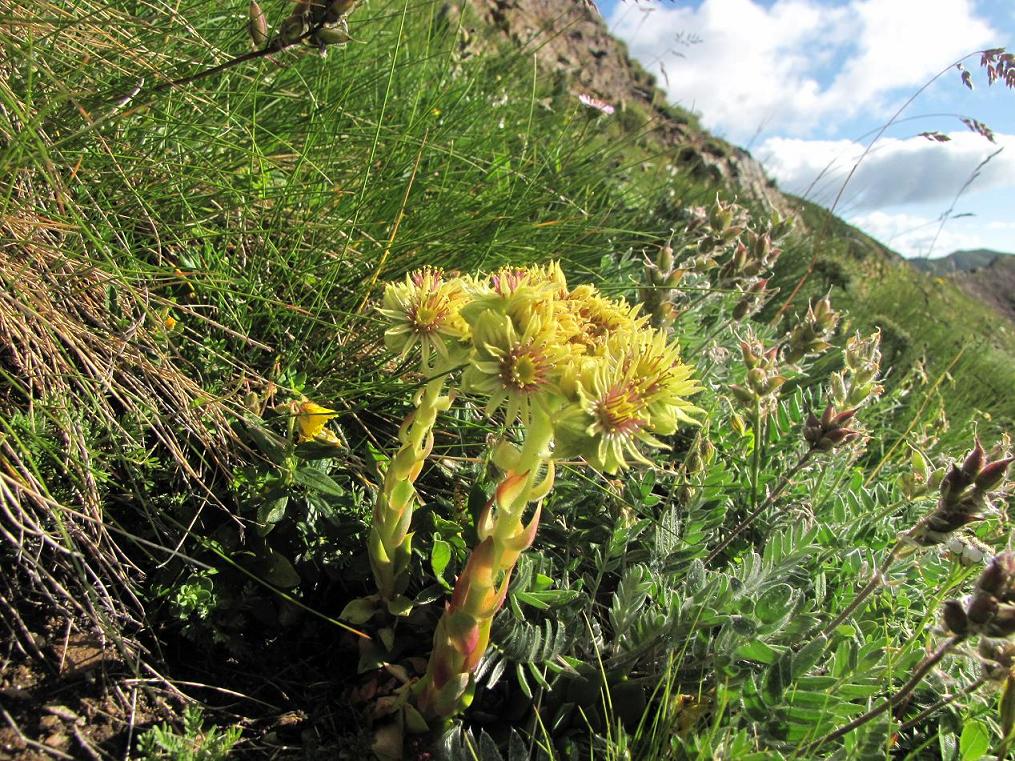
[596, 318]
[618, 416]
[520, 294]
[637, 388]
[312, 418]
[509, 367]
[664, 382]
[424, 311]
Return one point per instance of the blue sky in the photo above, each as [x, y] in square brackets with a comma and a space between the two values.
[801, 82]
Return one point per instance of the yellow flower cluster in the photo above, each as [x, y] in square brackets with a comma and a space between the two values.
[606, 379]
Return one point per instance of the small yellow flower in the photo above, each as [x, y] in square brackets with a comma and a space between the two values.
[312, 418]
[169, 321]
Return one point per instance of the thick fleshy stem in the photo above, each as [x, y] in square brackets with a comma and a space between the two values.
[463, 632]
[390, 542]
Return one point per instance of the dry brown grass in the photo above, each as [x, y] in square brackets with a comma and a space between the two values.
[69, 364]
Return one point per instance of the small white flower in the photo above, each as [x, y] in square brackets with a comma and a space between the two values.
[596, 103]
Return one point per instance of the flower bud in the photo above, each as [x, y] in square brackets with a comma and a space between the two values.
[337, 9]
[973, 462]
[257, 25]
[742, 394]
[721, 216]
[993, 578]
[292, 29]
[336, 33]
[954, 616]
[758, 379]
[981, 609]
[992, 474]
[665, 260]
[1003, 622]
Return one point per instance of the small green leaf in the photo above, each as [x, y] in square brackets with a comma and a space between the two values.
[757, 651]
[272, 512]
[318, 481]
[547, 599]
[280, 572]
[399, 605]
[360, 610]
[974, 741]
[774, 605]
[440, 556]
[531, 599]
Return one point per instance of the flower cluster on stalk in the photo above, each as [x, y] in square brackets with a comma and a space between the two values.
[610, 381]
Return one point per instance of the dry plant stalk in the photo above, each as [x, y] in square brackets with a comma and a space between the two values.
[67, 362]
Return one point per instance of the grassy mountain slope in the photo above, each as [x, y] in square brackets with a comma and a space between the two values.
[182, 268]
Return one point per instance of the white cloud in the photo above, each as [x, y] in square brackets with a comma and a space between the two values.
[915, 235]
[797, 64]
[896, 171]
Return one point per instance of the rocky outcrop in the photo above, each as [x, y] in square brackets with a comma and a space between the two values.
[570, 37]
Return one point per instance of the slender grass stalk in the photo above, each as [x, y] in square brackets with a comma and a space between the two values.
[896, 699]
[946, 700]
[773, 495]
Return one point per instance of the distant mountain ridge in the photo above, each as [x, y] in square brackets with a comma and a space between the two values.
[960, 261]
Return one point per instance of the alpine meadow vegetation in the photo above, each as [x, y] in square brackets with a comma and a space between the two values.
[369, 392]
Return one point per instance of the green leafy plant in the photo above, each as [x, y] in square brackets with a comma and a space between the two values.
[193, 742]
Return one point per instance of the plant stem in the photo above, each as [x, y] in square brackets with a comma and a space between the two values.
[973, 687]
[276, 46]
[783, 483]
[759, 437]
[921, 671]
[876, 580]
